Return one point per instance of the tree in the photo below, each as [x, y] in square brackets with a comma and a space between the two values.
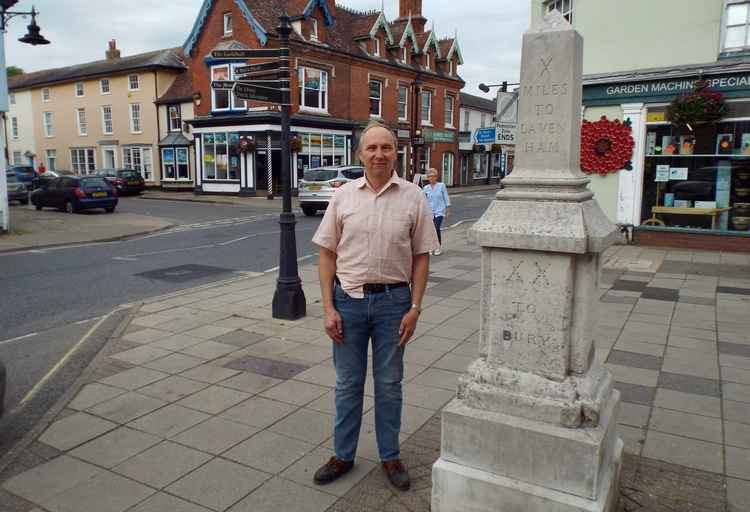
[14, 70]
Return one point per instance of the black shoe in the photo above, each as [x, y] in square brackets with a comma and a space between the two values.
[331, 470]
[397, 474]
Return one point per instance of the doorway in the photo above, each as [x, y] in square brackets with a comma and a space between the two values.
[261, 172]
[109, 157]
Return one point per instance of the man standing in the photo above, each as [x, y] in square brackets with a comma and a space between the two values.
[375, 238]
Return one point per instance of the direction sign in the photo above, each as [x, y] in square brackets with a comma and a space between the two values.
[261, 53]
[263, 66]
[225, 85]
[263, 75]
[250, 92]
[485, 135]
[274, 84]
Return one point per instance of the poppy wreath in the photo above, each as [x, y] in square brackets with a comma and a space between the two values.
[606, 146]
[296, 144]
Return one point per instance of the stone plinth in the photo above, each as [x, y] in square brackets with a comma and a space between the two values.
[532, 427]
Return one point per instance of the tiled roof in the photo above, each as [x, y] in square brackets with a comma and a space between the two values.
[477, 102]
[170, 58]
[180, 91]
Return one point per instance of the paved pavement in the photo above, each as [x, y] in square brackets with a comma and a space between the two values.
[207, 403]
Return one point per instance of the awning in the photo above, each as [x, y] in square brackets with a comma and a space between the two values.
[175, 139]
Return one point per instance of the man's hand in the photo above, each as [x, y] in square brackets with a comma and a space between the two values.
[333, 325]
[408, 324]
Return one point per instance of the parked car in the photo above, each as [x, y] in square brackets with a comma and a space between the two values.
[317, 186]
[72, 194]
[126, 181]
[2, 388]
[16, 189]
[43, 179]
[24, 173]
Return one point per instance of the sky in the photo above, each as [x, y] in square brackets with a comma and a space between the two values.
[489, 31]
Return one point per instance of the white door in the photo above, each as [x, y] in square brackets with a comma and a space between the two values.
[109, 154]
[448, 169]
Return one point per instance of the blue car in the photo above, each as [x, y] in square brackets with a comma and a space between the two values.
[73, 194]
[25, 174]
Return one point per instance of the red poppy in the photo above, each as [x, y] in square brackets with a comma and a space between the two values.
[606, 146]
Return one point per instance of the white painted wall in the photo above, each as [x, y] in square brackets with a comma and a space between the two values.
[23, 111]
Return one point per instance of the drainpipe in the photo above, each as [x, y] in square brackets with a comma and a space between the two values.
[158, 128]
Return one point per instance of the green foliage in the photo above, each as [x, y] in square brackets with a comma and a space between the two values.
[701, 106]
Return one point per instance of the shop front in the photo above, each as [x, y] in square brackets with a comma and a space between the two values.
[242, 154]
[690, 182]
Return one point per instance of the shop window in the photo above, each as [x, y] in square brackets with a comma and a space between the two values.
[403, 103]
[221, 156]
[227, 23]
[82, 161]
[313, 89]
[736, 33]
[497, 165]
[698, 178]
[480, 166]
[448, 103]
[175, 164]
[107, 120]
[564, 6]
[426, 107]
[376, 93]
[138, 159]
[175, 120]
[320, 150]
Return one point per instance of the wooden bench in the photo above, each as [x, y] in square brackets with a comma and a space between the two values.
[654, 221]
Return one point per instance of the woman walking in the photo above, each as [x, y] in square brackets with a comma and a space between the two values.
[437, 197]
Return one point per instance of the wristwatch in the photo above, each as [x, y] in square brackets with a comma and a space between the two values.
[417, 307]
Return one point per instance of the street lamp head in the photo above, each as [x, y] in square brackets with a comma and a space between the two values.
[484, 88]
[33, 37]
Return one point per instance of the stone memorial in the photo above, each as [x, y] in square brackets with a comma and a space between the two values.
[533, 425]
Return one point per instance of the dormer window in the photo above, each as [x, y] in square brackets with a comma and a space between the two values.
[450, 68]
[227, 23]
[376, 47]
[404, 58]
[427, 61]
[313, 29]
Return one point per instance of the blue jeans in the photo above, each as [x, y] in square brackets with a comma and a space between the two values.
[377, 316]
[438, 222]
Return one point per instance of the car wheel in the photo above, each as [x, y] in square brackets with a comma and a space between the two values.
[69, 207]
[38, 207]
[25, 201]
[110, 209]
[310, 212]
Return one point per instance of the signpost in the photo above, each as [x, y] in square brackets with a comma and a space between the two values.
[289, 299]
[485, 135]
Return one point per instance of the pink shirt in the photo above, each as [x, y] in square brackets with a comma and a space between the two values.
[375, 235]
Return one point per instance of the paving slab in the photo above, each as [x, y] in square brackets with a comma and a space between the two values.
[47, 480]
[115, 447]
[162, 464]
[106, 492]
[75, 430]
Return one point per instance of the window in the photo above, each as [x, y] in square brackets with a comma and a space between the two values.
[424, 159]
[49, 130]
[220, 98]
[448, 159]
[45, 95]
[12, 98]
[404, 58]
[450, 68]
[83, 125]
[320, 150]
[107, 120]
[376, 46]
[220, 156]
[14, 127]
[376, 90]
[51, 159]
[484, 120]
[104, 85]
[82, 161]
[564, 6]
[227, 23]
[313, 85]
[313, 29]
[736, 34]
[17, 158]
[175, 121]
[426, 106]
[135, 118]
[467, 120]
[134, 83]
[480, 166]
[448, 111]
[138, 159]
[403, 103]
[175, 164]
[79, 89]
[427, 61]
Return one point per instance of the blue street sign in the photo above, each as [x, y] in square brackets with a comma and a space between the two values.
[485, 135]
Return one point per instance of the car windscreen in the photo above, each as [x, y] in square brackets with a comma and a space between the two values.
[11, 177]
[128, 175]
[320, 174]
[24, 171]
[93, 182]
[353, 174]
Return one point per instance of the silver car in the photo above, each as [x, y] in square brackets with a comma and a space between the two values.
[318, 185]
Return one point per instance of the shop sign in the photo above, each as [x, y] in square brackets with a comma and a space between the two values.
[662, 173]
[439, 136]
[506, 134]
[403, 134]
[417, 141]
[732, 85]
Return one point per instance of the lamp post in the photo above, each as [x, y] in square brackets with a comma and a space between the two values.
[288, 299]
[32, 37]
[416, 131]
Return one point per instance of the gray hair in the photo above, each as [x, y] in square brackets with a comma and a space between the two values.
[376, 124]
[432, 170]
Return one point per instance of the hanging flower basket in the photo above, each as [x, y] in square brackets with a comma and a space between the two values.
[702, 106]
[246, 144]
[606, 146]
[296, 144]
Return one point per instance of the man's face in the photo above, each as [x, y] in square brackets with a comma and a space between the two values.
[378, 153]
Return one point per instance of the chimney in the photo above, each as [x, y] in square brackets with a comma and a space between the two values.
[112, 53]
[412, 8]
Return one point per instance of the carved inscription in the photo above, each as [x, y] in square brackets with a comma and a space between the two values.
[542, 133]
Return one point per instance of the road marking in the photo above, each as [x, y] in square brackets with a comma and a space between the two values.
[11, 340]
[79, 322]
[124, 258]
[274, 269]
[237, 240]
[461, 222]
[63, 360]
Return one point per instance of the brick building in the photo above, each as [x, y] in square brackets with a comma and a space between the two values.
[348, 67]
